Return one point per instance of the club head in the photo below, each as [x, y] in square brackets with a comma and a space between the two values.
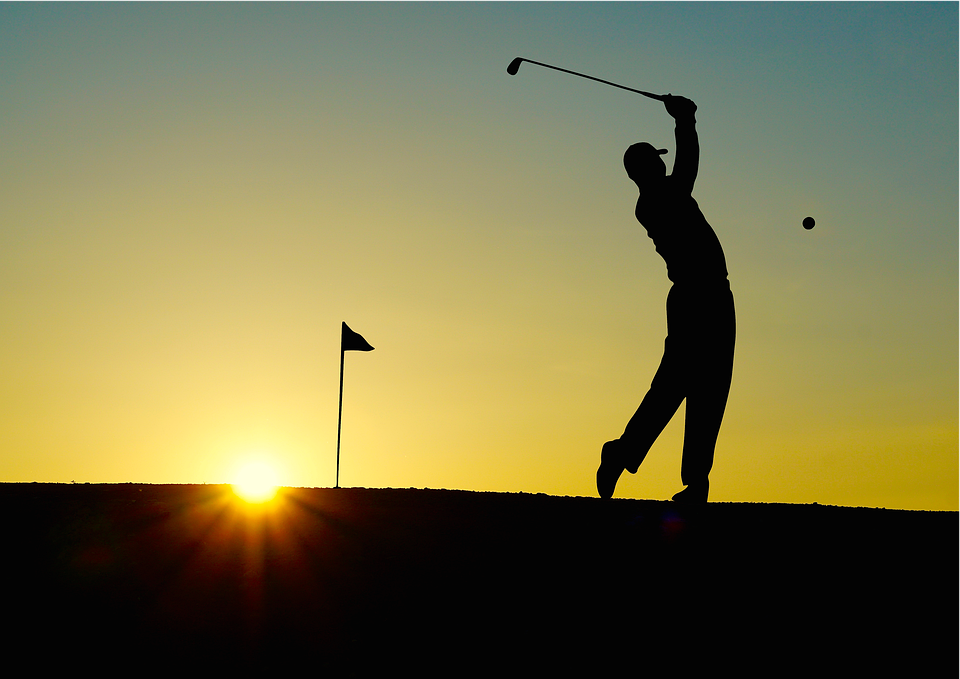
[514, 66]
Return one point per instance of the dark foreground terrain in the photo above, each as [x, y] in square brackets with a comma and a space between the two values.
[133, 578]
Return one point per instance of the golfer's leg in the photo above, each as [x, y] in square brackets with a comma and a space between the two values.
[657, 407]
[705, 408]
[710, 379]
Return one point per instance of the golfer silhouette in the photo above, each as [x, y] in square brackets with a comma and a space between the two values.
[697, 363]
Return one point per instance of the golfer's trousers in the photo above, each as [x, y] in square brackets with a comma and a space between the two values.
[697, 365]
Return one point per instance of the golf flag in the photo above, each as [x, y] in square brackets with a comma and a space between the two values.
[352, 341]
[349, 341]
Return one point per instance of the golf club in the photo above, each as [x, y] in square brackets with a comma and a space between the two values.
[515, 66]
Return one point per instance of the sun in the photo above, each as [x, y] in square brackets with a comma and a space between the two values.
[256, 482]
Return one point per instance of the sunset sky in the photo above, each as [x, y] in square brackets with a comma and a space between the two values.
[194, 197]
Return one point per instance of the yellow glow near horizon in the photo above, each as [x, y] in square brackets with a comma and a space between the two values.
[256, 482]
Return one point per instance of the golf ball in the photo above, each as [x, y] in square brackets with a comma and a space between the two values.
[808, 223]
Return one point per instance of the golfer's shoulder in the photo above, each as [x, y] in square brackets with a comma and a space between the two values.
[676, 186]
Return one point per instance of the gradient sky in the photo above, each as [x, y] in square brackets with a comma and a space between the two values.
[193, 197]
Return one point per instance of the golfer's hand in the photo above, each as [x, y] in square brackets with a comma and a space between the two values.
[680, 108]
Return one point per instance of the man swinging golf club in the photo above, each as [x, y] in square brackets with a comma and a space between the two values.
[697, 363]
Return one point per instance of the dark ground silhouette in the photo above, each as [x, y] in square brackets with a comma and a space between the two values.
[135, 577]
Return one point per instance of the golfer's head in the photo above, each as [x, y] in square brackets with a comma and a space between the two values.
[643, 162]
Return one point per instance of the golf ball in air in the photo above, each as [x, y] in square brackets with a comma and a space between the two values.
[808, 223]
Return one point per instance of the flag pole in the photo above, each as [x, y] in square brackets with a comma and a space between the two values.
[349, 341]
[340, 416]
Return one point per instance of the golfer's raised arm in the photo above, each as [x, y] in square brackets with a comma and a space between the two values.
[687, 160]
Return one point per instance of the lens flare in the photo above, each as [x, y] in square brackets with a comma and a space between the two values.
[256, 482]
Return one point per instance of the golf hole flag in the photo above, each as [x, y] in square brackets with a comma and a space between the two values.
[352, 341]
[349, 341]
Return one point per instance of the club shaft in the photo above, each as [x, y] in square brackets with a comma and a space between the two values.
[658, 97]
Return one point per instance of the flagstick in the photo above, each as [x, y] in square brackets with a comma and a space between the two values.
[340, 416]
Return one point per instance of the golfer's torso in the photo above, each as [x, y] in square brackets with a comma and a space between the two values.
[682, 236]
